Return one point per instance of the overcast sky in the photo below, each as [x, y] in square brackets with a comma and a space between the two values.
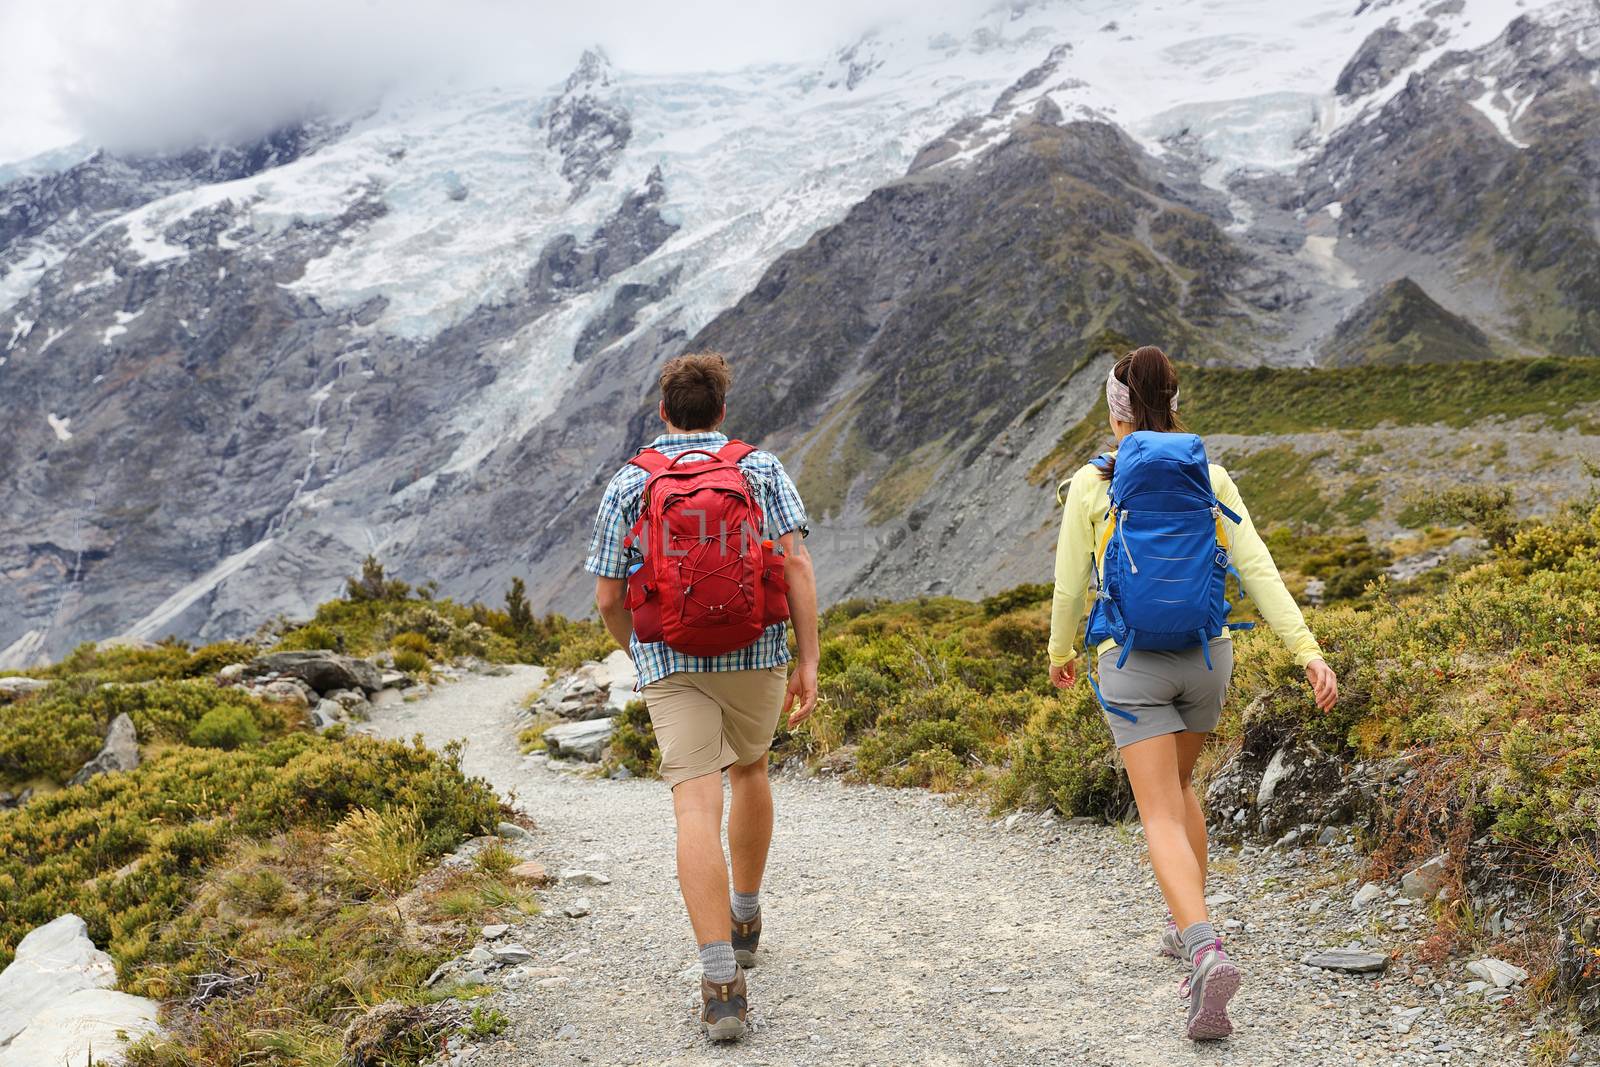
[143, 73]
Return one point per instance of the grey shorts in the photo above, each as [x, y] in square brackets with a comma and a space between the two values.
[1167, 692]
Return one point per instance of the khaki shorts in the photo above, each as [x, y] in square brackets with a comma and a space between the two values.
[707, 721]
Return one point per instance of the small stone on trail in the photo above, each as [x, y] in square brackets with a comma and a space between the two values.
[1342, 959]
[495, 930]
[512, 832]
[509, 955]
[1218, 899]
[578, 908]
[530, 871]
[553, 981]
[1405, 1019]
[1367, 894]
[575, 876]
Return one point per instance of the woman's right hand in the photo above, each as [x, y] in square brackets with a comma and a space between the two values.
[1324, 683]
[1064, 677]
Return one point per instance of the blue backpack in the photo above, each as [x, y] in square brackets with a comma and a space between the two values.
[1163, 560]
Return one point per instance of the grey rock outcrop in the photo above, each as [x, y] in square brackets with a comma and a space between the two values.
[324, 671]
[119, 753]
[13, 687]
[586, 126]
[1386, 52]
[58, 1001]
[1291, 785]
[594, 690]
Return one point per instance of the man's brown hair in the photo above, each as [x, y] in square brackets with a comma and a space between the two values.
[694, 388]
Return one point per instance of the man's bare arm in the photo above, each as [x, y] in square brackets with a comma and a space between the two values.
[609, 594]
[797, 571]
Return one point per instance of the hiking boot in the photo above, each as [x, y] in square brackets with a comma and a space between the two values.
[746, 936]
[1172, 943]
[1208, 988]
[723, 1007]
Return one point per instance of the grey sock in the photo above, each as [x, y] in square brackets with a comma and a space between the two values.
[716, 960]
[745, 905]
[1198, 937]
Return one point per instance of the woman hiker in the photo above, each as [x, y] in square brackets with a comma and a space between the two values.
[1162, 695]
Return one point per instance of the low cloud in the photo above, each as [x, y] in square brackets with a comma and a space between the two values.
[165, 73]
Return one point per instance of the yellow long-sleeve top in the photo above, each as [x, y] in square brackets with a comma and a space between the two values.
[1083, 520]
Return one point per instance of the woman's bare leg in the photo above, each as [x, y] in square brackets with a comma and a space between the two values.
[1194, 821]
[1153, 771]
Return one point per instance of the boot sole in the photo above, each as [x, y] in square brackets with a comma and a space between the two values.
[745, 958]
[1211, 1022]
[729, 1029]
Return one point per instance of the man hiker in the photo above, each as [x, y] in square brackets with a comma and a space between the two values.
[689, 577]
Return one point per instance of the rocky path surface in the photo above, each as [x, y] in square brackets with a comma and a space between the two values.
[905, 929]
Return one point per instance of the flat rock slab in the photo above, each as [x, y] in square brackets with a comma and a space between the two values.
[12, 686]
[580, 740]
[1340, 959]
[97, 1022]
[1501, 974]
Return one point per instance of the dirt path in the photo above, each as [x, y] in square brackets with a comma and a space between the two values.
[902, 929]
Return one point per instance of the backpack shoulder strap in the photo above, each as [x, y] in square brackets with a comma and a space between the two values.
[650, 461]
[1102, 461]
[734, 451]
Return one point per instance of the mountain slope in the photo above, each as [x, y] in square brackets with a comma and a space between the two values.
[1401, 323]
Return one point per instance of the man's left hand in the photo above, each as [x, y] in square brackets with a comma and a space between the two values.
[801, 694]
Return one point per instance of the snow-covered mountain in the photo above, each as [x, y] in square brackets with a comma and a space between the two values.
[430, 330]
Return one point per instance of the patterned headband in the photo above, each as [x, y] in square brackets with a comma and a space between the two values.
[1118, 401]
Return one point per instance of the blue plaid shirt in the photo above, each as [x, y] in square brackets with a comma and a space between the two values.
[619, 510]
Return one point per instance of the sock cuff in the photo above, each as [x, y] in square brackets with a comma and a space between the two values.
[745, 905]
[717, 961]
[1198, 936]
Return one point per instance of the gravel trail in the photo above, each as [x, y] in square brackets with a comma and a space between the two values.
[902, 928]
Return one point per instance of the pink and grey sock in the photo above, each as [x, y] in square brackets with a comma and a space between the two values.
[1200, 935]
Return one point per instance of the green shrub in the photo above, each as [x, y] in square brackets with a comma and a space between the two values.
[52, 733]
[311, 637]
[634, 744]
[411, 641]
[227, 726]
[411, 662]
[1064, 759]
[123, 850]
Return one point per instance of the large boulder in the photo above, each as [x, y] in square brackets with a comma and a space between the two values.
[323, 671]
[585, 740]
[58, 1001]
[119, 753]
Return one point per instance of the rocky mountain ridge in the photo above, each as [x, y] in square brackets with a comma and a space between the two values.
[233, 373]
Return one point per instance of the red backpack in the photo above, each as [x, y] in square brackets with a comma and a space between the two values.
[708, 583]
